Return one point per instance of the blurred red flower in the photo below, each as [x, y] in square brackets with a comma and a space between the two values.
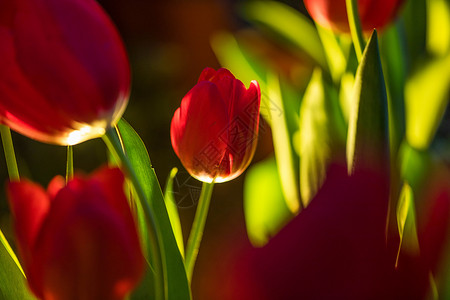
[337, 247]
[64, 73]
[215, 130]
[77, 241]
[332, 14]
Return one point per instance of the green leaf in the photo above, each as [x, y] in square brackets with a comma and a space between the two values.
[406, 221]
[177, 283]
[145, 289]
[368, 139]
[433, 293]
[289, 24]
[415, 165]
[13, 284]
[335, 56]
[264, 206]
[322, 130]
[231, 56]
[393, 49]
[172, 210]
[414, 22]
[438, 27]
[346, 93]
[282, 144]
[426, 96]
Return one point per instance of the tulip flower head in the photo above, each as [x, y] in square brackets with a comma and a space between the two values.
[77, 241]
[214, 131]
[64, 73]
[332, 14]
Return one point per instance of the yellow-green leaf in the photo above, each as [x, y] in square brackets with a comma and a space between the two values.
[322, 129]
[282, 144]
[264, 205]
[368, 137]
[177, 286]
[406, 221]
[426, 96]
[13, 284]
[172, 210]
[289, 24]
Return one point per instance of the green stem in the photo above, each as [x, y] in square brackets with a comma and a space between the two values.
[69, 165]
[113, 143]
[8, 147]
[355, 27]
[195, 237]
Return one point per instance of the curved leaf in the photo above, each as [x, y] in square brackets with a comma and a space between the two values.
[322, 129]
[13, 284]
[282, 144]
[264, 206]
[426, 96]
[406, 221]
[172, 210]
[368, 137]
[177, 283]
[289, 24]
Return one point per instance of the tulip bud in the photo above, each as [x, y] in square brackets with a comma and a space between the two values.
[77, 241]
[64, 73]
[332, 14]
[215, 130]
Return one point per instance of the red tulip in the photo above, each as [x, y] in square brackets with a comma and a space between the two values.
[337, 248]
[214, 132]
[77, 241]
[333, 13]
[64, 73]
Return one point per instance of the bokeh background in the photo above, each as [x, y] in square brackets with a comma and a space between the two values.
[169, 44]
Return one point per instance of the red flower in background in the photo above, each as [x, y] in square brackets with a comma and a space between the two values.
[337, 249]
[215, 130]
[64, 73]
[77, 241]
[333, 13]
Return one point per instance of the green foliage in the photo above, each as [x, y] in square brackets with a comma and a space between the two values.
[406, 221]
[288, 24]
[367, 139]
[322, 129]
[426, 96]
[438, 27]
[282, 144]
[172, 210]
[414, 23]
[264, 206]
[13, 284]
[335, 55]
[393, 50]
[177, 283]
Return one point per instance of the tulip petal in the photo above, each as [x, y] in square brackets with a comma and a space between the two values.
[29, 206]
[196, 129]
[79, 241]
[62, 59]
[55, 185]
[333, 14]
[207, 74]
[244, 125]
[62, 42]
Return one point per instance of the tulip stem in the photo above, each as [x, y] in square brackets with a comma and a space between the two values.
[69, 165]
[8, 147]
[113, 143]
[355, 27]
[195, 237]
